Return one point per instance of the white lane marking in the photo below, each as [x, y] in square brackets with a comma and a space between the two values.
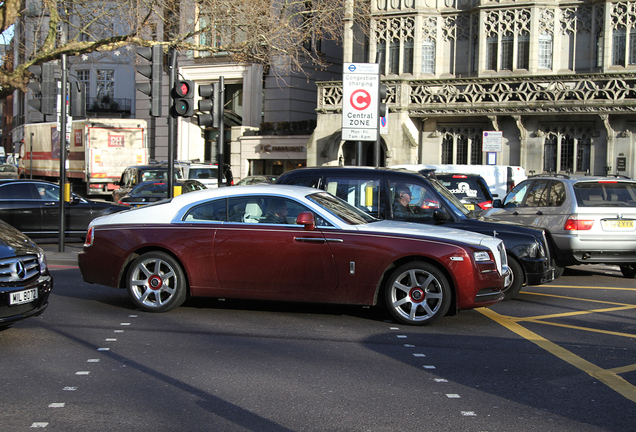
[39, 425]
[82, 372]
[69, 388]
[440, 380]
[103, 349]
[57, 405]
[401, 336]
[125, 324]
[428, 367]
[92, 361]
[469, 413]
[452, 396]
[419, 355]
[111, 340]
[409, 346]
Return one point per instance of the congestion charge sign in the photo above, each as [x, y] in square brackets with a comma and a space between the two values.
[360, 88]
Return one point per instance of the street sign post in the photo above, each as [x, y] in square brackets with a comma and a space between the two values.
[360, 101]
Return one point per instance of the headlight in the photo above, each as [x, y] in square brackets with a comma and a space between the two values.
[42, 262]
[540, 249]
[482, 256]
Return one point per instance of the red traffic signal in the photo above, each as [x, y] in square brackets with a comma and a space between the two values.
[183, 99]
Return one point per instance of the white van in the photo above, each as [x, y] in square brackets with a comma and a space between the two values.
[500, 178]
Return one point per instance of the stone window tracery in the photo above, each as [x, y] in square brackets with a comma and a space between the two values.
[567, 148]
[461, 145]
[429, 41]
[623, 20]
[395, 38]
[507, 39]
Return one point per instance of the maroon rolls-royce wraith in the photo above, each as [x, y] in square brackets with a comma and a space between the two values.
[290, 243]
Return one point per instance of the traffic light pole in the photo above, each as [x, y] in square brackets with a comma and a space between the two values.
[62, 135]
[171, 125]
[220, 140]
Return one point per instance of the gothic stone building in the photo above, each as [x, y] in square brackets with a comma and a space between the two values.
[557, 78]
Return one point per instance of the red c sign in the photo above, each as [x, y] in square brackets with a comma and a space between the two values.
[360, 99]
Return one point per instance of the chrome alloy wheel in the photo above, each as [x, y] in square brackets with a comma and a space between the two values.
[418, 293]
[156, 282]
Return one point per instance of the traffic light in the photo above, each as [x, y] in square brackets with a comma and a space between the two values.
[382, 110]
[183, 99]
[78, 100]
[209, 104]
[153, 72]
[43, 88]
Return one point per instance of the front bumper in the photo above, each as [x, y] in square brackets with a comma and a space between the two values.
[10, 314]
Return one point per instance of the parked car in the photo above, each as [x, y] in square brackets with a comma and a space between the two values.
[25, 281]
[376, 191]
[257, 179]
[133, 175]
[470, 189]
[589, 220]
[8, 171]
[290, 243]
[206, 173]
[32, 207]
[152, 191]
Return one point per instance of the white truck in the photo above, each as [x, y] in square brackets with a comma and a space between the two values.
[99, 151]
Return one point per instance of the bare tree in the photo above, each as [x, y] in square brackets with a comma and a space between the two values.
[247, 31]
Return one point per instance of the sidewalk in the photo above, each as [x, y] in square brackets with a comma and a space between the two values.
[72, 247]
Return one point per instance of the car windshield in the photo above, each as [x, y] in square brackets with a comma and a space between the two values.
[455, 204]
[606, 193]
[341, 209]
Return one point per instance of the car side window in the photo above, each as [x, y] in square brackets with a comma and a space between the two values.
[267, 210]
[516, 195]
[18, 191]
[411, 201]
[363, 194]
[556, 196]
[48, 192]
[537, 194]
[214, 211]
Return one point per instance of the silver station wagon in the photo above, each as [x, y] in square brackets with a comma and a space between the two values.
[589, 220]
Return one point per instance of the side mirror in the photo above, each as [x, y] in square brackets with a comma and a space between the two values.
[497, 204]
[306, 219]
[439, 216]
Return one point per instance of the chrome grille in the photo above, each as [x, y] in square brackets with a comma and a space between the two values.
[19, 269]
[502, 254]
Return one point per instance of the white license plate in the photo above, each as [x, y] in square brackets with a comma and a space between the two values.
[618, 224]
[25, 296]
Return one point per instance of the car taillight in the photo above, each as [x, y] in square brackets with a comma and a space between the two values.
[89, 238]
[485, 205]
[459, 176]
[573, 224]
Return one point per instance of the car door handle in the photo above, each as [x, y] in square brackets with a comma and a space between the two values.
[49, 204]
[310, 239]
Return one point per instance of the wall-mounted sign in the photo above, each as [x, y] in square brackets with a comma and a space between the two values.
[492, 141]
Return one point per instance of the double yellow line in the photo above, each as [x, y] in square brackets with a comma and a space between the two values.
[609, 377]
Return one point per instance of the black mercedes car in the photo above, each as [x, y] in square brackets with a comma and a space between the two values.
[25, 281]
[32, 207]
[419, 197]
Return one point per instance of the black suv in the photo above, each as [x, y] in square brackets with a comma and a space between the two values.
[415, 197]
[133, 175]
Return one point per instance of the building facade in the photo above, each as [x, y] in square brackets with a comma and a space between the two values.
[557, 78]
